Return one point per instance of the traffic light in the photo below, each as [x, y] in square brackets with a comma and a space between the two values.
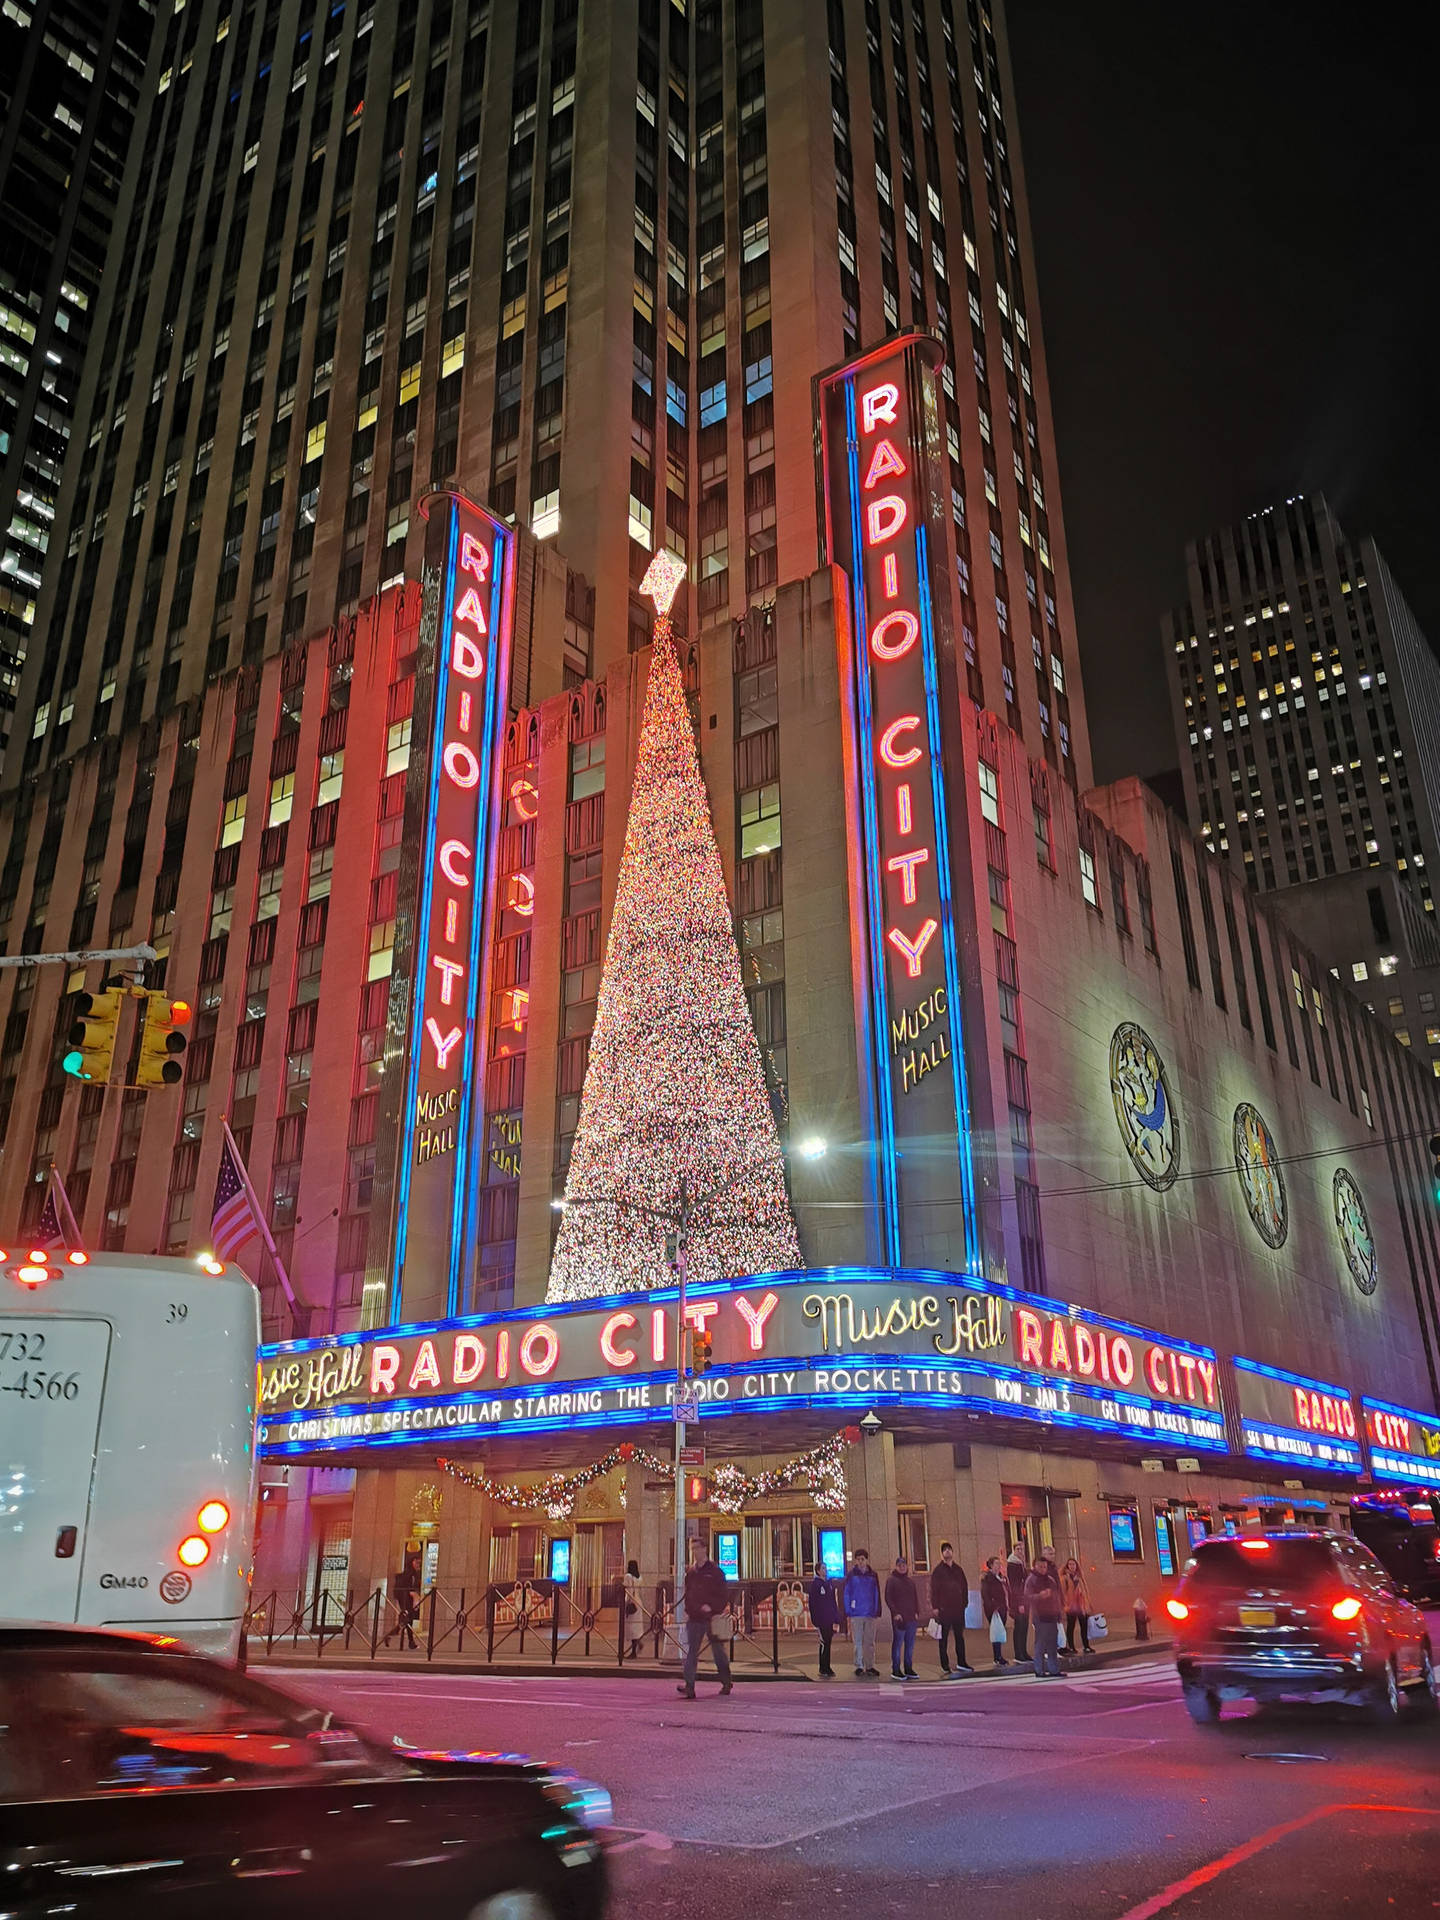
[91, 1039]
[161, 1044]
[702, 1351]
[1435, 1166]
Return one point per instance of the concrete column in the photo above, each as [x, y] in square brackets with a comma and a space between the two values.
[870, 1516]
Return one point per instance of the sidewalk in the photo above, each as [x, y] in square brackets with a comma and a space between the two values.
[303, 1656]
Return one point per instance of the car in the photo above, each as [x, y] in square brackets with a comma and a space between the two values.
[138, 1778]
[1297, 1616]
[1401, 1532]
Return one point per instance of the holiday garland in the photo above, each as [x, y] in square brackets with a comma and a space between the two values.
[730, 1488]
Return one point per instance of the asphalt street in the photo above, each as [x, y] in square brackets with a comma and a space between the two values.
[1086, 1796]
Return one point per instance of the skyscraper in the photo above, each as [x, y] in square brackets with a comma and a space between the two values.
[582, 264]
[1307, 714]
[70, 82]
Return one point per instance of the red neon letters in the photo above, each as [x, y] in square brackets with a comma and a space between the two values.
[1389, 1430]
[1323, 1413]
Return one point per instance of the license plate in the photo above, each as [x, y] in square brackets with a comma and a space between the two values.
[1257, 1616]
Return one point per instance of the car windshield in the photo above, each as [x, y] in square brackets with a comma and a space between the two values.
[1233, 1566]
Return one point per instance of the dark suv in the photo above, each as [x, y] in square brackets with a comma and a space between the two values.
[1297, 1616]
[1402, 1534]
[138, 1782]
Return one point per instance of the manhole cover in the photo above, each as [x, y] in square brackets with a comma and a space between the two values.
[1287, 1759]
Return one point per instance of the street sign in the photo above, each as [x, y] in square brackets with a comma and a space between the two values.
[692, 1456]
[687, 1413]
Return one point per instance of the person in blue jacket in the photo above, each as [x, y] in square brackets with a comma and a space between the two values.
[862, 1608]
[825, 1615]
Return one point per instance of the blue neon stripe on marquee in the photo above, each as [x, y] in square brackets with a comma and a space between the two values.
[1292, 1380]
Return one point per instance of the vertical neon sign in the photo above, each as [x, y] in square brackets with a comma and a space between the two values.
[881, 517]
[469, 609]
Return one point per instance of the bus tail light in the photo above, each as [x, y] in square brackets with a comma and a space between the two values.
[33, 1276]
[77, 1258]
[213, 1516]
[193, 1552]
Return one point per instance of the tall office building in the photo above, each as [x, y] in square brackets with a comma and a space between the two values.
[581, 262]
[1306, 703]
[70, 82]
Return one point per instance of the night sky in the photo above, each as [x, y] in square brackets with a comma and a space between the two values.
[1235, 208]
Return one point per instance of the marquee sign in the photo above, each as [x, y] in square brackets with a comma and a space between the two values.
[1404, 1445]
[879, 432]
[847, 1337]
[469, 603]
[1288, 1418]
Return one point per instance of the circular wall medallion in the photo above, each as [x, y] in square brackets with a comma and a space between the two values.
[1144, 1109]
[1257, 1162]
[1352, 1223]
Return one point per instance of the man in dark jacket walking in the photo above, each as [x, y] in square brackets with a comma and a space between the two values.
[949, 1597]
[707, 1595]
[902, 1598]
[1015, 1577]
[824, 1615]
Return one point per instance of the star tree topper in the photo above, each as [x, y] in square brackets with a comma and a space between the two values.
[662, 580]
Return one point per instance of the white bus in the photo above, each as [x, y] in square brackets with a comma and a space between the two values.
[127, 1444]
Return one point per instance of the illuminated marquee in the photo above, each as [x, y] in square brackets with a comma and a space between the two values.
[919, 1339]
[1285, 1417]
[878, 420]
[469, 595]
[1404, 1445]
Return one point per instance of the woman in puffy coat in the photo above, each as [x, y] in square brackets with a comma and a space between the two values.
[1077, 1605]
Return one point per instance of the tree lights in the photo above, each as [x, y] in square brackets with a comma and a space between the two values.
[675, 1087]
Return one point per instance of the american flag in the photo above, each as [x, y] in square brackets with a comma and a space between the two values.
[232, 1218]
[56, 1226]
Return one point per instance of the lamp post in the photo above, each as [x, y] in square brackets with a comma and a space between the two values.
[812, 1148]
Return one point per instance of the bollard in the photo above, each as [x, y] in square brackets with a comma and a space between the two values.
[1142, 1619]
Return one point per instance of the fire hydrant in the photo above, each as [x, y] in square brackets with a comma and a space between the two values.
[1142, 1619]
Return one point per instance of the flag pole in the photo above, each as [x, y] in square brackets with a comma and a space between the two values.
[261, 1223]
[69, 1226]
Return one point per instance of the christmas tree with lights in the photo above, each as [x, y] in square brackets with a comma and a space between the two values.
[675, 1089]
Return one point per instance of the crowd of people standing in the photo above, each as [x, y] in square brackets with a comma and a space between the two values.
[1022, 1608]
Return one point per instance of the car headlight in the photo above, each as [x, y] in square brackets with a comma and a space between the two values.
[587, 1804]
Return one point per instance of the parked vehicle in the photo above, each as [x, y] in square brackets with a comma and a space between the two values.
[1297, 1616]
[137, 1779]
[1401, 1532]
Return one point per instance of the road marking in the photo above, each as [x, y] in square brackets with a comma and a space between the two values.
[1202, 1876]
[640, 1837]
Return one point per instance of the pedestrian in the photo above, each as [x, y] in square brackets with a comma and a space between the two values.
[825, 1614]
[407, 1605]
[1015, 1578]
[1047, 1604]
[706, 1598]
[862, 1609]
[949, 1597]
[902, 1599]
[995, 1599]
[631, 1609]
[1077, 1605]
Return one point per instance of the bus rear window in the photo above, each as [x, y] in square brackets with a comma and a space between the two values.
[1228, 1565]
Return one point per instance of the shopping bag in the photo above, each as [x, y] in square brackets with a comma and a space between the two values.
[1099, 1626]
[997, 1629]
[934, 1629]
[723, 1626]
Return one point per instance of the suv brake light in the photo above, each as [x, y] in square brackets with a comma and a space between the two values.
[1177, 1609]
[1346, 1609]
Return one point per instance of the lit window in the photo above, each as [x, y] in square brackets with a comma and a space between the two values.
[332, 774]
[1087, 878]
[382, 949]
[397, 747]
[1395, 1006]
[587, 768]
[760, 820]
[1402, 1034]
[1359, 971]
[989, 793]
[1365, 1108]
[1388, 963]
[282, 800]
[321, 865]
[233, 826]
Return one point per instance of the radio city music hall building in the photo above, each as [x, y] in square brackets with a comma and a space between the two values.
[1124, 1229]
